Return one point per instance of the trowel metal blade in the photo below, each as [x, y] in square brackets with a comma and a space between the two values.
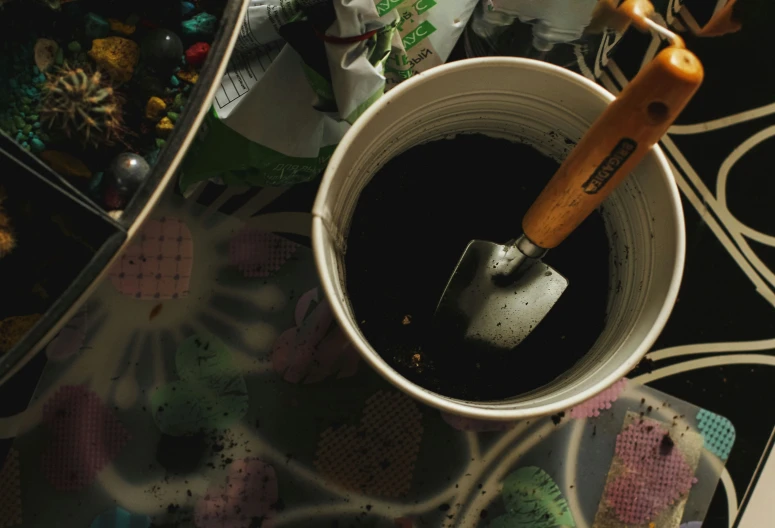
[497, 309]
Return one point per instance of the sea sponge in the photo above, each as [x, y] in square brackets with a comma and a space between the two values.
[12, 329]
[116, 55]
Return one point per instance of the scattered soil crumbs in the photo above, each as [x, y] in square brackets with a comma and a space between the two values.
[181, 455]
[410, 227]
[666, 445]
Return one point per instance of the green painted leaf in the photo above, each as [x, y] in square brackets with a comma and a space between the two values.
[507, 521]
[211, 392]
[533, 500]
[207, 360]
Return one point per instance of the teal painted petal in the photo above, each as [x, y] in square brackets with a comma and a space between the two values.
[718, 432]
[120, 518]
[533, 500]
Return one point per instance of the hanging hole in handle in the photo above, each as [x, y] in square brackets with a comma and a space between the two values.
[657, 112]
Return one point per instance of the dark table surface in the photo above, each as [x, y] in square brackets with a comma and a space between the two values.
[717, 350]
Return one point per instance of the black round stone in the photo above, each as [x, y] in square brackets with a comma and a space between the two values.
[162, 50]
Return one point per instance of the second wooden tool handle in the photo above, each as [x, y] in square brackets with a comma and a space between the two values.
[615, 143]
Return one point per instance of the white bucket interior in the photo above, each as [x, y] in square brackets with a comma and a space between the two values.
[540, 105]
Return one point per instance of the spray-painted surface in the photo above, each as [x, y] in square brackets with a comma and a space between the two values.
[241, 405]
[715, 351]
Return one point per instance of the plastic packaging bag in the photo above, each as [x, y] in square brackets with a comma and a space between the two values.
[293, 89]
[553, 21]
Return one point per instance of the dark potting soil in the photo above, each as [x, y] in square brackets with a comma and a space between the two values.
[410, 227]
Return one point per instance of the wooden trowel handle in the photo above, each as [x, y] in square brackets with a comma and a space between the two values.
[615, 143]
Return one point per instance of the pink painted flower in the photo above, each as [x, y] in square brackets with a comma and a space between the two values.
[259, 253]
[655, 475]
[157, 265]
[85, 437]
[602, 401]
[315, 348]
[70, 339]
[10, 491]
[461, 423]
[247, 497]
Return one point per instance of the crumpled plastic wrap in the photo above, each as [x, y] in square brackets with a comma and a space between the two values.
[303, 71]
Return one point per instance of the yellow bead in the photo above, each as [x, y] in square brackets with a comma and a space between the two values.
[190, 77]
[164, 127]
[154, 108]
[120, 27]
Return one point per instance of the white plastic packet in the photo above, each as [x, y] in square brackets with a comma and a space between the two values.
[292, 90]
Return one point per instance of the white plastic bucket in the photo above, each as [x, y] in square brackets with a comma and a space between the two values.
[539, 104]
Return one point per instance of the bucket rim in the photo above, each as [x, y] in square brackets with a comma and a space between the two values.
[487, 410]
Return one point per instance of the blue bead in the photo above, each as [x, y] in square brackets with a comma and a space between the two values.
[201, 24]
[37, 145]
[153, 156]
[96, 26]
[95, 182]
[174, 81]
[186, 8]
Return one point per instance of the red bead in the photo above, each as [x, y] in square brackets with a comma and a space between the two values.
[196, 54]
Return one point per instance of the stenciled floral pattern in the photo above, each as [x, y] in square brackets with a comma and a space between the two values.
[210, 394]
[533, 500]
[376, 457]
[158, 264]
[655, 476]
[279, 425]
[315, 348]
[247, 497]
[70, 339]
[85, 436]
